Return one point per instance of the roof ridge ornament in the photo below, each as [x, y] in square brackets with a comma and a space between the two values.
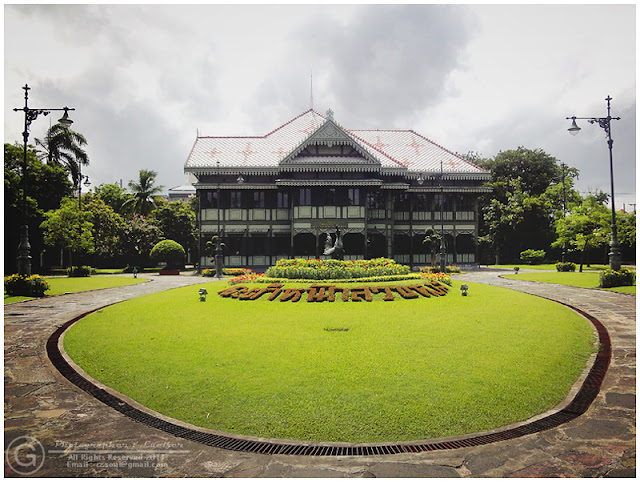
[329, 114]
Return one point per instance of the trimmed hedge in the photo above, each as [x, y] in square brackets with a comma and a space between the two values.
[80, 271]
[322, 269]
[610, 278]
[532, 256]
[564, 267]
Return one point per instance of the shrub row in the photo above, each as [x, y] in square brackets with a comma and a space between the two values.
[80, 271]
[452, 268]
[321, 269]
[567, 266]
[532, 256]
[22, 285]
[610, 278]
[209, 273]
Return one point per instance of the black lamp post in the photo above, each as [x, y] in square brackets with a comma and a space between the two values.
[24, 248]
[443, 248]
[615, 258]
[219, 258]
[87, 184]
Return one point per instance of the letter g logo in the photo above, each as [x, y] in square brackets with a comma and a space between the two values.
[25, 455]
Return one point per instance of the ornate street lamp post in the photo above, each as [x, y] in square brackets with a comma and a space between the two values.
[219, 258]
[24, 248]
[443, 248]
[615, 258]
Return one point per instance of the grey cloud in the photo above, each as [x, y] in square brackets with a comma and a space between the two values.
[388, 63]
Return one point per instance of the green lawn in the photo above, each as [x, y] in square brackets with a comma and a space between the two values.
[383, 371]
[75, 285]
[552, 267]
[587, 279]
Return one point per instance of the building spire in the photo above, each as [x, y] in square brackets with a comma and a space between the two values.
[311, 99]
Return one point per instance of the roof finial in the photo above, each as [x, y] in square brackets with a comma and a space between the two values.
[330, 114]
[311, 100]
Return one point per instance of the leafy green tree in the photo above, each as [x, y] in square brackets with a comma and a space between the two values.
[177, 221]
[144, 192]
[70, 228]
[46, 186]
[138, 239]
[107, 226]
[526, 193]
[64, 147]
[114, 196]
[587, 226]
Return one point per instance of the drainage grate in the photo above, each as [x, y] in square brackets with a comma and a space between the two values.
[579, 405]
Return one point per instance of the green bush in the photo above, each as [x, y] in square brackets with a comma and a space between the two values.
[452, 268]
[610, 278]
[22, 285]
[80, 271]
[567, 266]
[321, 269]
[170, 252]
[210, 273]
[532, 256]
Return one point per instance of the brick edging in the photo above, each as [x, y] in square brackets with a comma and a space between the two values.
[578, 406]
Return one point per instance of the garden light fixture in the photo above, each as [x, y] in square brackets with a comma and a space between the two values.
[615, 258]
[516, 269]
[203, 294]
[464, 289]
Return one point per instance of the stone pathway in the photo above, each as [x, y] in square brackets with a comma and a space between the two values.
[71, 434]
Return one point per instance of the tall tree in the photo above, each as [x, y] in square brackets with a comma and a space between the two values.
[107, 226]
[114, 196]
[519, 212]
[143, 192]
[587, 226]
[70, 228]
[64, 147]
[177, 221]
[46, 186]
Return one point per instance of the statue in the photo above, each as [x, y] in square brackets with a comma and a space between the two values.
[337, 250]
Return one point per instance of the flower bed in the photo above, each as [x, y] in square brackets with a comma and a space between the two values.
[323, 269]
[610, 278]
[328, 292]
[22, 285]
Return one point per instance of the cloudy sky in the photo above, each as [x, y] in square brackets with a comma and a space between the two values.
[145, 79]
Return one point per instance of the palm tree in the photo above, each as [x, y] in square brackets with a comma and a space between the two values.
[64, 147]
[142, 202]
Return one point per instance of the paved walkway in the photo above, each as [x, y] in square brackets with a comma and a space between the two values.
[72, 434]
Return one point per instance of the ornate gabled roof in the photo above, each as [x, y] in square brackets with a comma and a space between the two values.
[386, 150]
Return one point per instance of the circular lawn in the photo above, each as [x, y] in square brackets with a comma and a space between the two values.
[408, 369]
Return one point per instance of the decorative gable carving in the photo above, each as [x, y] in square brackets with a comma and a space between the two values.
[330, 135]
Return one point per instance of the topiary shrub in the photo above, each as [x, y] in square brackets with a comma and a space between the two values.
[170, 252]
[22, 285]
[532, 256]
[564, 267]
[610, 278]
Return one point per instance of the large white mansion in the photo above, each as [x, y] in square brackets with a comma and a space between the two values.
[277, 196]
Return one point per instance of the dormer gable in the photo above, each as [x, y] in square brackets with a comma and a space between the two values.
[330, 142]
